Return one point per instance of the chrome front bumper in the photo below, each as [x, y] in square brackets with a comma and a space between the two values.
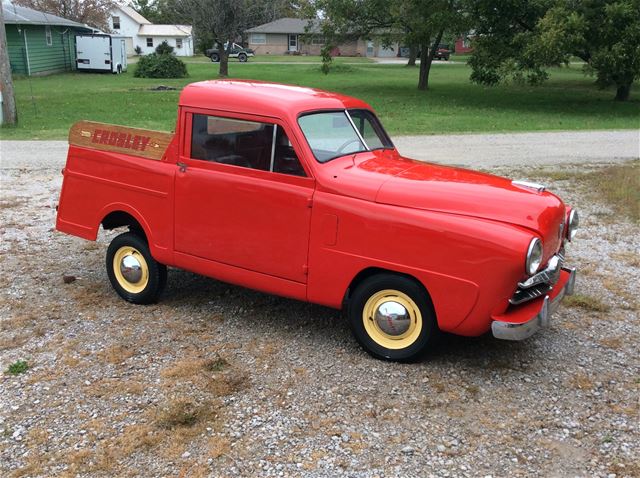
[506, 329]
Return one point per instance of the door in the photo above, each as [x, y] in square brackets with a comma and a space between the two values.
[386, 52]
[369, 48]
[129, 46]
[240, 200]
[93, 52]
[293, 42]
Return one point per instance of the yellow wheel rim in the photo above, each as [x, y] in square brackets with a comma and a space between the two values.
[392, 319]
[131, 269]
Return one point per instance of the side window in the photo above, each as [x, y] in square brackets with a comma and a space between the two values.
[248, 144]
[47, 35]
[285, 160]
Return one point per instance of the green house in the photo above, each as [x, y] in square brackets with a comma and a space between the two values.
[39, 43]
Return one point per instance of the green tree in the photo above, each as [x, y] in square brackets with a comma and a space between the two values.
[518, 40]
[148, 9]
[222, 22]
[420, 24]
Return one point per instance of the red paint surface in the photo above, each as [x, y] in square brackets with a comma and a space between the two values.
[462, 234]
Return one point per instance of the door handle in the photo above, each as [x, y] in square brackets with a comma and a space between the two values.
[182, 166]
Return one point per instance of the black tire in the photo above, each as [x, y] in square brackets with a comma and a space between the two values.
[153, 275]
[215, 57]
[369, 296]
[242, 57]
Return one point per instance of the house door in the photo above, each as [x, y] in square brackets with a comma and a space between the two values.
[123, 53]
[293, 42]
[369, 48]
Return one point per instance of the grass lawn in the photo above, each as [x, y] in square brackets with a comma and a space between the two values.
[47, 106]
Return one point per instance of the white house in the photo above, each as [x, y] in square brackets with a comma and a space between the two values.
[140, 32]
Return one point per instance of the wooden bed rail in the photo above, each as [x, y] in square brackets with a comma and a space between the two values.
[145, 143]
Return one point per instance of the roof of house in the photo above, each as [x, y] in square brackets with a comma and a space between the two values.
[165, 30]
[22, 15]
[287, 25]
[135, 16]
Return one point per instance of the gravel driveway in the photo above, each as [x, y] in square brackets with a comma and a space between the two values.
[220, 381]
[472, 150]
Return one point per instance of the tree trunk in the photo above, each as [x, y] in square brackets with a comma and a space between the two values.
[425, 66]
[9, 112]
[413, 54]
[623, 92]
[426, 59]
[224, 60]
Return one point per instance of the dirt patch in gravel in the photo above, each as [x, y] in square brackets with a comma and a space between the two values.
[216, 380]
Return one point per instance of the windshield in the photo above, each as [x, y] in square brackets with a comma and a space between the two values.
[332, 134]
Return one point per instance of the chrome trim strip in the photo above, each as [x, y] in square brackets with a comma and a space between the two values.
[356, 130]
[273, 147]
[520, 331]
[527, 184]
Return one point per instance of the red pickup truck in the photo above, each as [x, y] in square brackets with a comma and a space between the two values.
[301, 193]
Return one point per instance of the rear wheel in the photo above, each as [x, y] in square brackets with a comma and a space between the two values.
[392, 317]
[134, 274]
[215, 57]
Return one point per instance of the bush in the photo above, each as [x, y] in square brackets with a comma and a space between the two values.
[138, 50]
[160, 66]
[164, 49]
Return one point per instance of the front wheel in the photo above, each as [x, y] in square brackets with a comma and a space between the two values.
[134, 274]
[215, 57]
[242, 57]
[392, 318]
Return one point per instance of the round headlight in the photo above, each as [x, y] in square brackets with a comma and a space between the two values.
[534, 256]
[572, 224]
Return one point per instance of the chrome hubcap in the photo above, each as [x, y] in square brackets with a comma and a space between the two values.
[131, 269]
[392, 318]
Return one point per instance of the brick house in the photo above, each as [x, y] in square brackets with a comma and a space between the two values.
[303, 36]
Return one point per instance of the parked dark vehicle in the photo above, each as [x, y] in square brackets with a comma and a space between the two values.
[237, 51]
[443, 52]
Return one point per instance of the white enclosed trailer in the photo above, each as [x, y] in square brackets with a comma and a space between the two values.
[99, 52]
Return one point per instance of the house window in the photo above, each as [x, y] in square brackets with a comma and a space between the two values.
[116, 23]
[47, 35]
[178, 42]
[317, 41]
[258, 38]
[150, 42]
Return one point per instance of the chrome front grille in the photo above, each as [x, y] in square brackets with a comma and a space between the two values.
[539, 284]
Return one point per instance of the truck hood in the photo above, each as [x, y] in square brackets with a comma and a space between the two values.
[387, 178]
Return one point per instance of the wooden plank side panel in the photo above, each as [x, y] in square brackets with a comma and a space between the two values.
[144, 143]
